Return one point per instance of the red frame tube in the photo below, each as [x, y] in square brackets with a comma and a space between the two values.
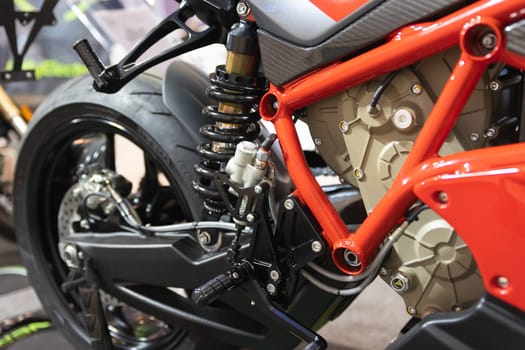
[408, 46]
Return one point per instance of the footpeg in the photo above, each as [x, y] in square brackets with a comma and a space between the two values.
[91, 60]
[218, 285]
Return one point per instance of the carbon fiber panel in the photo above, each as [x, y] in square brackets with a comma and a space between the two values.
[516, 37]
[284, 61]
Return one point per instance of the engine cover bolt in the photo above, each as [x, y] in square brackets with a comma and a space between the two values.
[474, 137]
[442, 197]
[503, 281]
[250, 217]
[318, 141]
[258, 189]
[270, 288]
[274, 275]
[317, 246]
[494, 85]
[243, 9]
[399, 282]
[289, 204]
[383, 271]
[344, 126]
[359, 173]
[411, 310]
[489, 41]
[416, 89]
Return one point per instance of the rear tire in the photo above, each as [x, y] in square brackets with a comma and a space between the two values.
[45, 171]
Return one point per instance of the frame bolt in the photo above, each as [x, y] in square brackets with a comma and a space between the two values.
[317, 246]
[474, 137]
[318, 141]
[503, 281]
[289, 204]
[344, 126]
[442, 197]
[416, 89]
[274, 275]
[351, 258]
[243, 9]
[489, 41]
[359, 173]
[270, 288]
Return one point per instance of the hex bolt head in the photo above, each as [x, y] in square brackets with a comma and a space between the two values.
[252, 303]
[243, 9]
[274, 275]
[204, 237]
[399, 282]
[344, 126]
[289, 204]
[442, 197]
[318, 141]
[457, 308]
[494, 85]
[474, 136]
[270, 288]
[359, 173]
[84, 224]
[383, 271]
[489, 41]
[250, 217]
[503, 282]
[411, 310]
[317, 246]
[416, 89]
[258, 189]
[491, 132]
[351, 258]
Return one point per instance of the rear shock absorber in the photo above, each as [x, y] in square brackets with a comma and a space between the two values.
[237, 87]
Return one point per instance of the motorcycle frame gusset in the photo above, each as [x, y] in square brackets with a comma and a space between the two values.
[424, 173]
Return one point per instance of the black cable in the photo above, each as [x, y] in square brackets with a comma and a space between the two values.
[372, 108]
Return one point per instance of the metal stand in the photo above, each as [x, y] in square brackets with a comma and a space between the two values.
[8, 18]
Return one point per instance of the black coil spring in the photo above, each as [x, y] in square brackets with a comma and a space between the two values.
[227, 130]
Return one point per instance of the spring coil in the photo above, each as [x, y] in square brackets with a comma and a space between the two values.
[243, 92]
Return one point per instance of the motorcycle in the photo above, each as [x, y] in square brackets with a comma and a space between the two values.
[227, 240]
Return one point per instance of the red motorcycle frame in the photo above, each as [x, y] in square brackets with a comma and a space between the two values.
[480, 193]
